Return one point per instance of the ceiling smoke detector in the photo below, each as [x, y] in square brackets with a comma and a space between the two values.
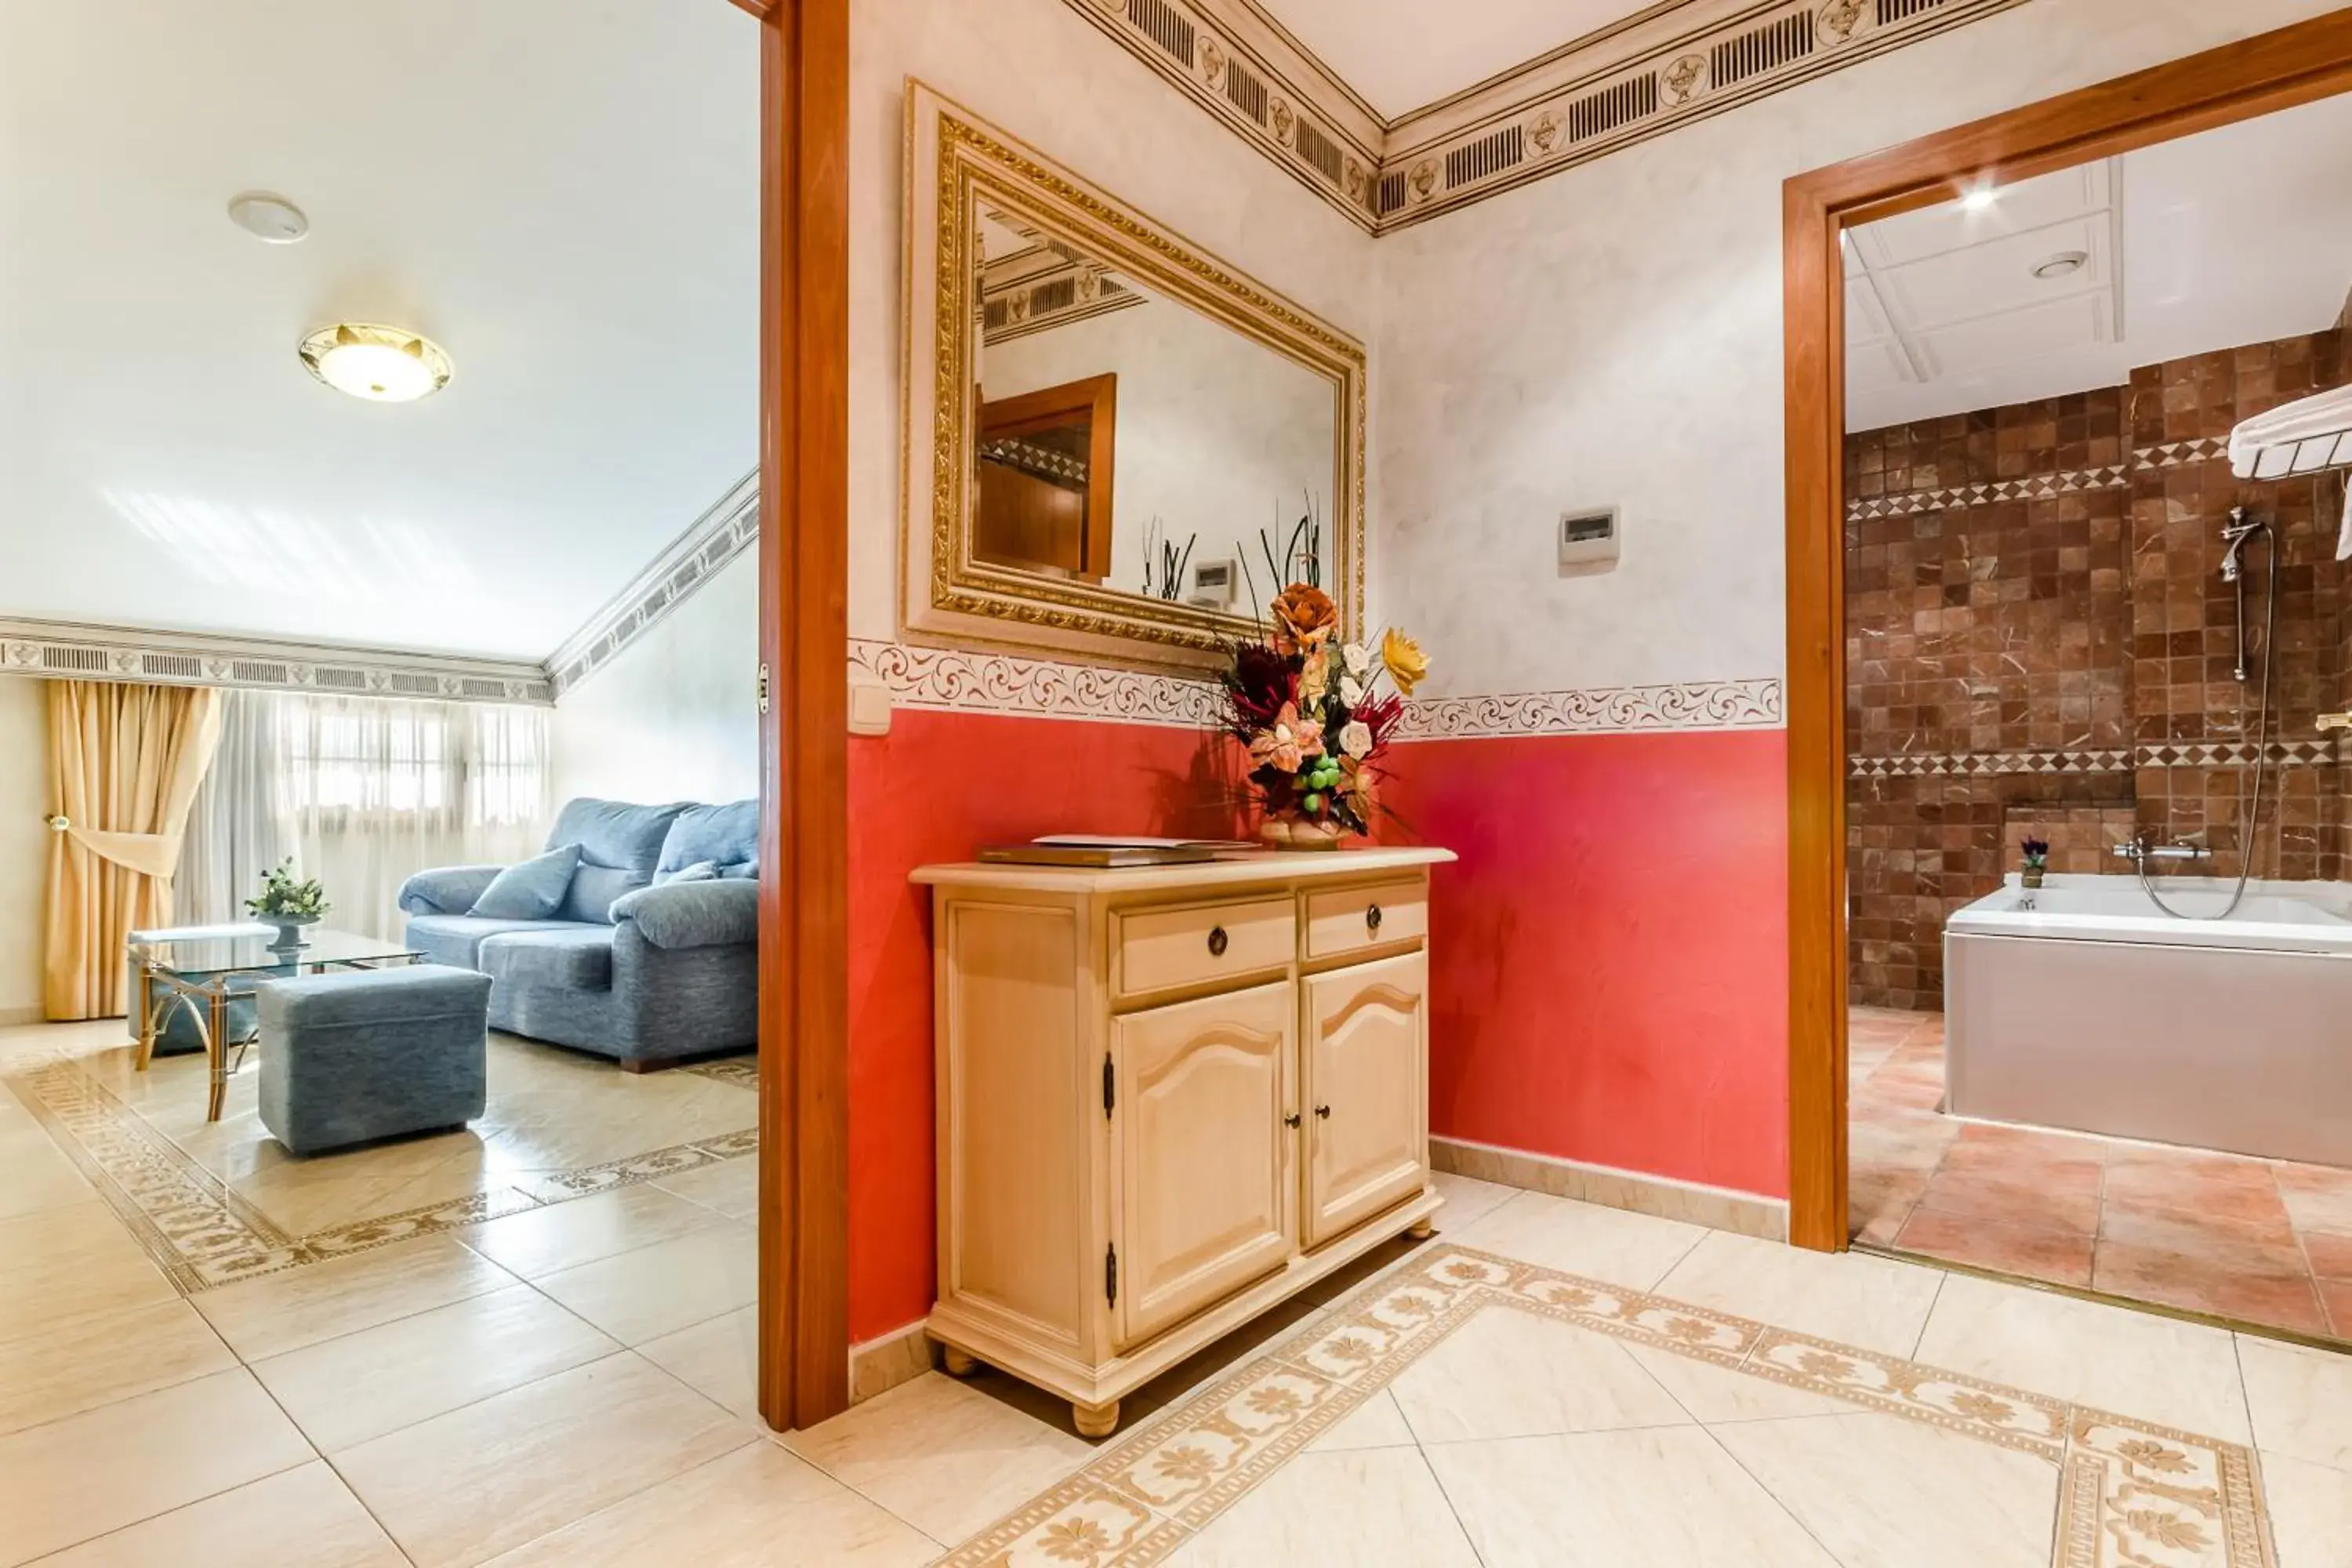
[273, 220]
[2065, 264]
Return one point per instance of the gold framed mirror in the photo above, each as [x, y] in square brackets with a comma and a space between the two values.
[1118, 447]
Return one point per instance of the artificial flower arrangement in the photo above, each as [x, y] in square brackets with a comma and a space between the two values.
[1305, 706]
[2036, 852]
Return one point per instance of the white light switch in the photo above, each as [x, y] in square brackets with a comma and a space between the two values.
[869, 707]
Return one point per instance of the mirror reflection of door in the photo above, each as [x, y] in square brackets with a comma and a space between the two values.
[1045, 482]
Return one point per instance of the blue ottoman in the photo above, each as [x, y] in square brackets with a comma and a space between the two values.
[357, 1055]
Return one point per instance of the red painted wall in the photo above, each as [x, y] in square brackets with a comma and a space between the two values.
[937, 788]
[1610, 958]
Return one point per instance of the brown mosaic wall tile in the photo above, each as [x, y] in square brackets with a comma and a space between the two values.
[2046, 578]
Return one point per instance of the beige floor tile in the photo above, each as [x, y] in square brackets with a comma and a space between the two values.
[70, 1480]
[344, 1391]
[2132, 1364]
[1337, 1510]
[464, 1487]
[58, 1265]
[718, 1359]
[97, 1359]
[655, 1291]
[1664, 1497]
[758, 1507]
[1510, 1374]
[1856, 1299]
[2310, 1512]
[281, 1312]
[1375, 1424]
[946, 1458]
[2301, 1400]
[1615, 1245]
[38, 1176]
[729, 1186]
[1468, 1201]
[1881, 1491]
[583, 1230]
[303, 1517]
[1714, 1393]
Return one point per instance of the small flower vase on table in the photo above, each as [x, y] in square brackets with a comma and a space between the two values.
[292, 907]
[1306, 707]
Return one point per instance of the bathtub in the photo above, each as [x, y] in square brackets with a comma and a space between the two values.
[2081, 1005]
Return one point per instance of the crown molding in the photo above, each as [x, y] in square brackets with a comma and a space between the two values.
[1675, 63]
[71, 650]
[728, 529]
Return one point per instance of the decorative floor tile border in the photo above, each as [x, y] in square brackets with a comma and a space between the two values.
[201, 1234]
[2131, 1494]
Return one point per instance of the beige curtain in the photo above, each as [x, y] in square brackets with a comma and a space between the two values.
[124, 764]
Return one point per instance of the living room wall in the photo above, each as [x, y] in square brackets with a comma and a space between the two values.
[23, 846]
[674, 716]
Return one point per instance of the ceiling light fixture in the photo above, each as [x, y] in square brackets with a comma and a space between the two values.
[2065, 264]
[273, 220]
[383, 364]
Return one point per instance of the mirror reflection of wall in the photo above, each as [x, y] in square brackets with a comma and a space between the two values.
[1113, 420]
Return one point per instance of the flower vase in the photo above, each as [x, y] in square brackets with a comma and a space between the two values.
[1300, 833]
[2032, 876]
[289, 938]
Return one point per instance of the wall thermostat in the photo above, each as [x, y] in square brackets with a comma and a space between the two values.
[1587, 541]
[1211, 585]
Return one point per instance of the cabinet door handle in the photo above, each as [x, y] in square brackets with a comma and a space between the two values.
[1291, 1120]
[1373, 918]
[1323, 1111]
[1217, 942]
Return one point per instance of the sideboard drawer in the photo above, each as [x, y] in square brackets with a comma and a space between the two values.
[1164, 949]
[1346, 918]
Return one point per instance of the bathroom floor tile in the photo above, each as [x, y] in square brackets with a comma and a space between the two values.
[2335, 1298]
[2032, 1252]
[2285, 1298]
[2052, 1194]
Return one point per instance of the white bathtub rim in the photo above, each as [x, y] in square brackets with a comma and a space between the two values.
[1995, 915]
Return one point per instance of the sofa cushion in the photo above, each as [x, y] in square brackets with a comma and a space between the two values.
[532, 890]
[569, 958]
[726, 836]
[456, 940]
[447, 890]
[620, 845]
[712, 913]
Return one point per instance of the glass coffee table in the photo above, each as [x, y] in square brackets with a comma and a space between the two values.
[200, 969]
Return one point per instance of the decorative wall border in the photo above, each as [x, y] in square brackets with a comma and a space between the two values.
[2042, 487]
[956, 681]
[1665, 67]
[71, 650]
[728, 529]
[1753, 704]
[2129, 1493]
[2092, 760]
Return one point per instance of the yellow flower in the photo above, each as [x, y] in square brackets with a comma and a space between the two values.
[1407, 665]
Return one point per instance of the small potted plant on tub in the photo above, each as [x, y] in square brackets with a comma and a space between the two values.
[2037, 860]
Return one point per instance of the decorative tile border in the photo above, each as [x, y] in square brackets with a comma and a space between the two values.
[731, 527]
[1694, 705]
[2176, 755]
[201, 1234]
[2181, 454]
[2042, 487]
[2133, 1495]
[1718, 1208]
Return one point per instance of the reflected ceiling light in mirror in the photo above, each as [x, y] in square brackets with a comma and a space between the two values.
[380, 364]
[271, 219]
[1979, 198]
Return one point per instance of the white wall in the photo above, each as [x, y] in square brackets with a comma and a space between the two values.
[1042, 72]
[1612, 335]
[674, 716]
[1217, 436]
[24, 844]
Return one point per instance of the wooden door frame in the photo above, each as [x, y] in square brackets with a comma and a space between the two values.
[2255, 76]
[803, 1175]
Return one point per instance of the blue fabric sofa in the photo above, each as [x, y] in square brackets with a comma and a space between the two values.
[639, 962]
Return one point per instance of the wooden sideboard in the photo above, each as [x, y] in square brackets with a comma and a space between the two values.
[1167, 1099]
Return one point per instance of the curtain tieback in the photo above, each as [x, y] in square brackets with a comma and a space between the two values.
[156, 854]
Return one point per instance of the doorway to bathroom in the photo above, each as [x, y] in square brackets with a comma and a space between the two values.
[2068, 632]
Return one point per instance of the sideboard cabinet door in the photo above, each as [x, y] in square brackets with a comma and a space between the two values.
[1364, 1090]
[1205, 1182]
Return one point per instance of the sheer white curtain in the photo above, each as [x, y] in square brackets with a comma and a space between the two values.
[363, 792]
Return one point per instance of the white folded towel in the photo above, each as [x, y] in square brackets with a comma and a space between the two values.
[2299, 438]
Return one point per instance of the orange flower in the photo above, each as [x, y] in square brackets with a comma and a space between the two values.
[1303, 618]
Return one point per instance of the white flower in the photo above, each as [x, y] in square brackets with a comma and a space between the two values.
[1356, 738]
[1351, 690]
[1357, 657]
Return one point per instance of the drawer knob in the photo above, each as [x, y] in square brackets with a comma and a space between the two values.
[1217, 942]
[1372, 918]
[1291, 1120]
[1324, 1112]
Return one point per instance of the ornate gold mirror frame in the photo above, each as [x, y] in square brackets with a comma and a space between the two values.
[957, 161]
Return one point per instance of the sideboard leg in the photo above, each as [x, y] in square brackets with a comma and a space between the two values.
[1095, 1420]
[1421, 1229]
[955, 1364]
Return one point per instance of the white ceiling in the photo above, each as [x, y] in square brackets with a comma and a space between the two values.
[2238, 236]
[562, 193]
[1401, 55]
